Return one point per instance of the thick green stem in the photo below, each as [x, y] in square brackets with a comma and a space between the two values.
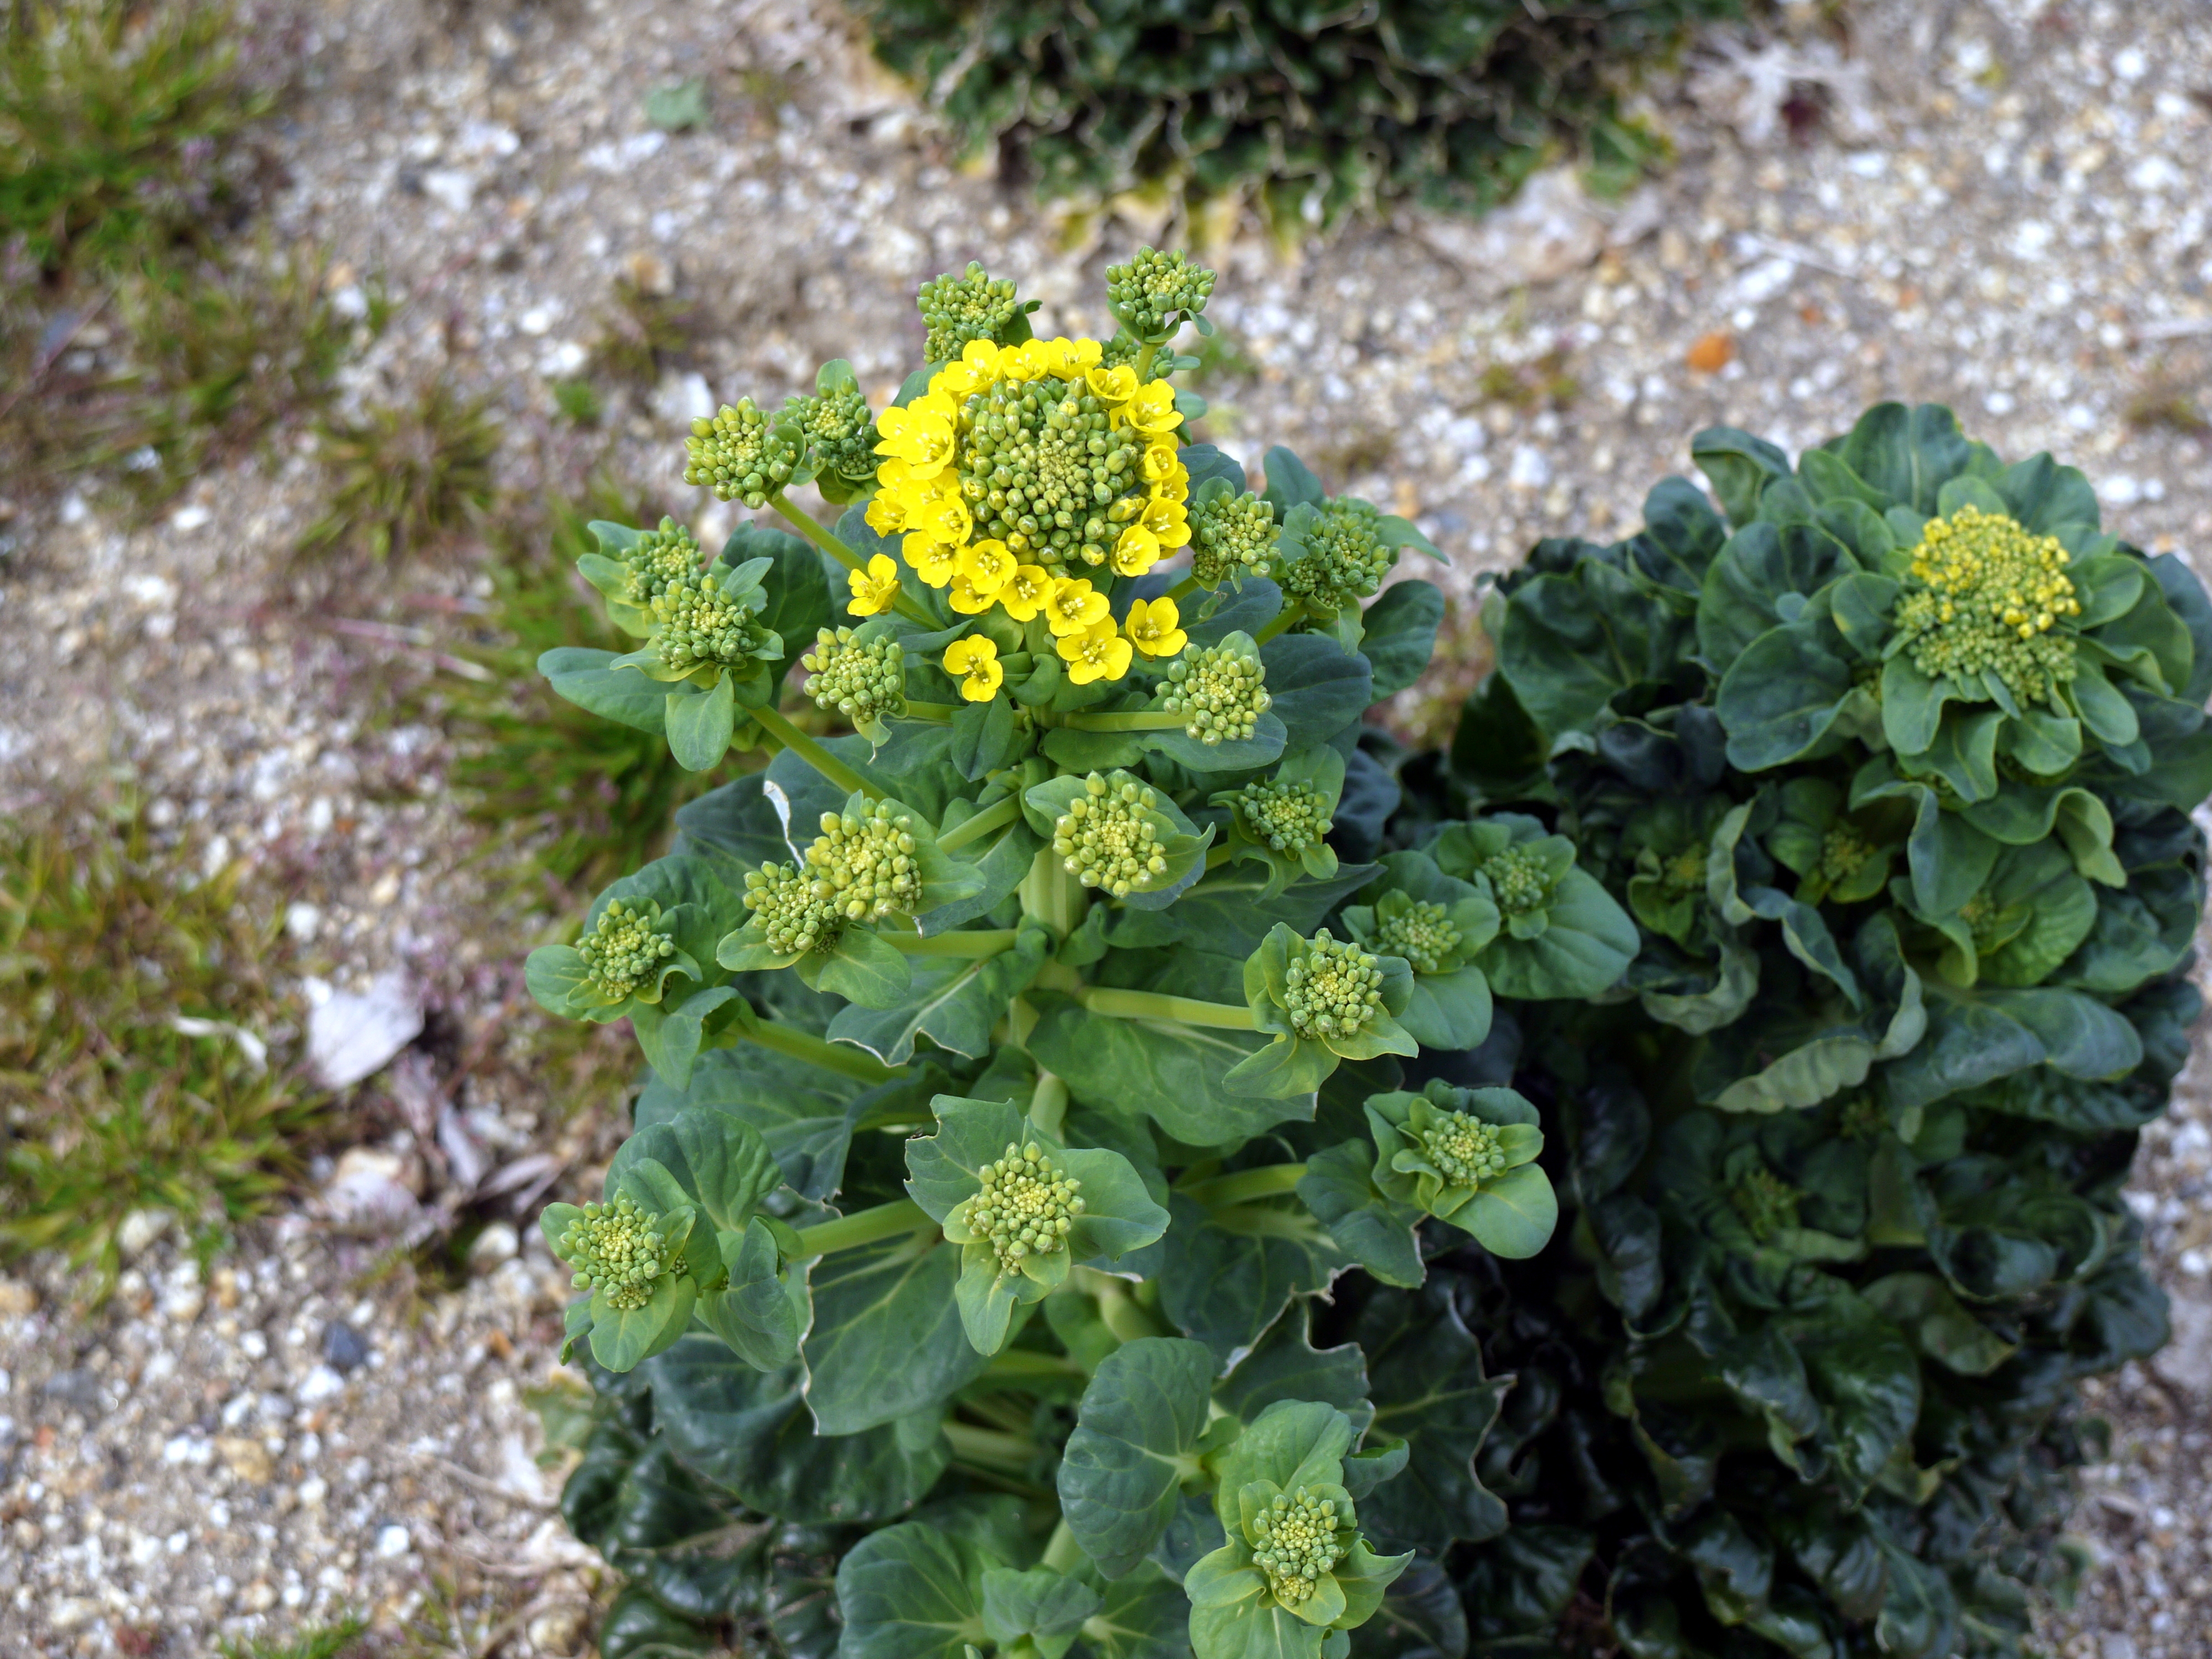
[1017, 1366]
[1133, 720]
[1183, 589]
[1122, 1315]
[1218, 856]
[1151, 1004]
[1049, 1103]
[862, 1227]
[809, 526]
[1061, 1552]
[814, 754]
[937, 713]
[1052, 896]
[982, 823]
[975, 944]
[1286, 619]
[840, 1057]
[1149, 350]
[1011, 1454]
[1268, 1181]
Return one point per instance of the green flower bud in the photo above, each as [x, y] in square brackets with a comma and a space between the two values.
[1844, 854]
[1518, 880]
[660, 557]
[1982, 592]
[864, 681]
[1343, 559]
[969, 307]
[1334, 988]
[1156, 291]
[1222, 688]
[1232, 536]
[624, 947]
[1767, 1203]
[1043, 469]
[1282, 816]
[740, 455]
[1298, 1538]
[839, 429]
[1464, 1149]
[619, 1249]
[794, 911]
[1026, 1206]
[863, 863]
[1422, 933]
[1105, 839]
[697, 624]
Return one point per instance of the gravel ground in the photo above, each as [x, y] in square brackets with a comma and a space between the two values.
[1995, 213]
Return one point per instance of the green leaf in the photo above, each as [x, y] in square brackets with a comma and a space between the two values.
[1044, 1606]
[1569, 643]
[1401, 635]
[1252, 1627]
[1427, 1383]
[1582, 952]
[1286, 1365]
[1144, 1615]
[623, 1338]
[1749, 586]
[1290, 482]
[1740, 467]
[1226, 1277]
[699, 724]
[720, 1164]
[954, 1003]
[1134, 1447]
[1922, 1306]
[1513, 1215]
[1908, 454]
[1364, 1225]
[1781, 699]
[1317, 687]
[912, 1592]
[805, 1115]
[887, 1341]
[1229, 911]
[638, 1627]
[984, 738]
[756, 1316]
[1169, 1070]
[867, 971]
[586, 678]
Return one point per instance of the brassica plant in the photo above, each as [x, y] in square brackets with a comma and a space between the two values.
[1041, 1033]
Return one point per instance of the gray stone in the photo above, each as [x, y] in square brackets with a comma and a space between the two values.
[344, 1349]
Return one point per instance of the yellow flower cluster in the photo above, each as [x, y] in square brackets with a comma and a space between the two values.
[1985, 594]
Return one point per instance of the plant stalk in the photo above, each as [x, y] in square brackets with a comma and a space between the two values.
[981, 824]
[1268, 1181]
[1049, 1103]
[1133, 719]
[937, 713]
[811, 527]
[814, 754]
[973, 943]
[1183, 589]
[1151, 1004]
[849, 1232]
[1011, 1454]
[1061, 1552]
[1286, 619]
[840, 1057]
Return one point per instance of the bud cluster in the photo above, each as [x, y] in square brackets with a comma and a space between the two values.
[1296, 1541]
[1232, 536]
[1844, 854]
[1026, 1207]
[699, 624]
[618, 1248]
[1044, 470]
[740, 454]
[1344, 559]
[1767, 1203]
[1282, 816]
[1156, 291]
[863, 863]
[1104, 840]
[1518, 880]
[660, 557]
[624, 947]
[864, 681]
[1984, 593]
[794, 911]
[1464, 1149]
[1223, 690]
[1422, 933]
[957, 309]
[837, 426]
[1333, 987]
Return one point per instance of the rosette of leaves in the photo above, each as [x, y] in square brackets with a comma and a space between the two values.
[1440, 926]
[1023, 1207]
[1468, 1157]
[1559, 932]
[1283, 821]
[1324, 1000]
[1312, 114]
[644, 954]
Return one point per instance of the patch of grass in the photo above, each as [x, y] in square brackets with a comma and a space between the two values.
[1543, 382]
[641, 336]
[590, 798]
[320, 1641]
[117, 127]
[142, 1038]
[406, 476]
[2169, 396]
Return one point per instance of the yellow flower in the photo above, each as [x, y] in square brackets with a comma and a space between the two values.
[976, 368]
[1175, 488]
[921, 435]
[875, 589]
[1137, 551]
[1114, 386]
[966, 599]
[936, 562]
[1032, 360]
[1074, 606]
[946, 520]
[887, 509]
[988, 565]
[975, 663]
[1095, 653]
[1156, 629]
[1151, 411]
[1160, 462]
[1025, 592]
[1167, 521]
[1069, 360]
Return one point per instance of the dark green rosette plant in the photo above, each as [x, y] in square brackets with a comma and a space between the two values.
[1891, 767]
[986, 1262]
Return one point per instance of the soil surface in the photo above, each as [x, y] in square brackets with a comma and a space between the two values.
[1985, 203]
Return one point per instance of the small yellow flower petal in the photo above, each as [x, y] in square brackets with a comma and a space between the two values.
[1152, 410]
[966, 599]
[936, 562]
[1160, 462]
[987, 564]
[1113, 385]
[1156, 629]
[1074, 606]
[1167, 521]
[1097, 653]
[1026, 592]
[874, 590]
[1135, 551]
[975, 662]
